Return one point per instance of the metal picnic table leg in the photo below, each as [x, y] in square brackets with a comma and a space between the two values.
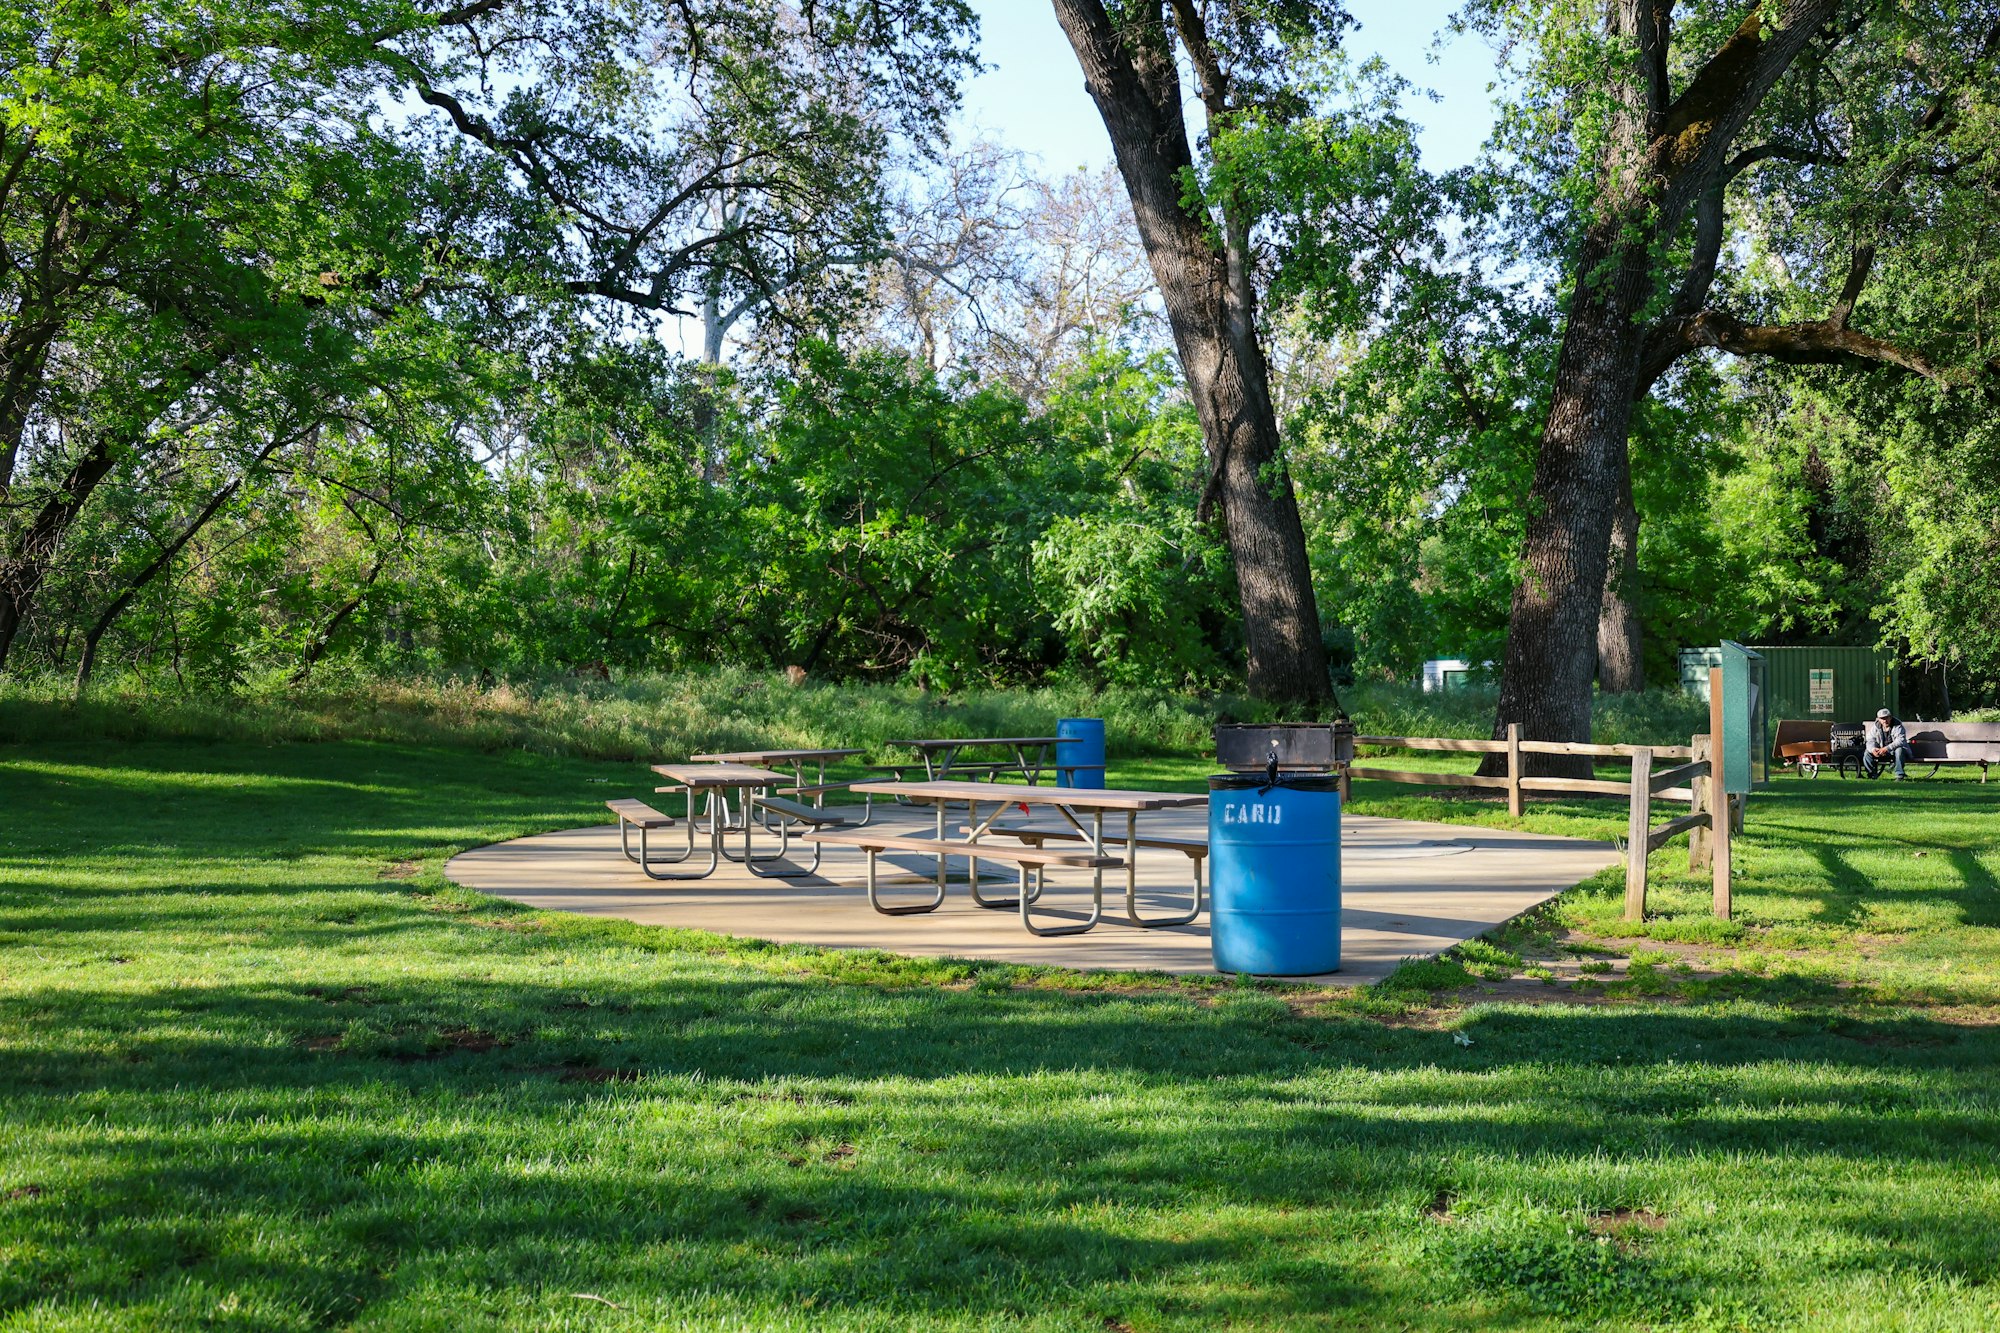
[940, 807]
[1096, 885]
[644, 857]
[819, 797]
[783, 830]
[875, 899]
[1132, 881]
[867, 801]
[715, 797]
[784, 844]
[714, 849]
[977, 828]
[1031, 775]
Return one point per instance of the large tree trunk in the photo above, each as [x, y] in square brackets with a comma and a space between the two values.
[1210, 300]
[1552, 632]
[1659, 153]
[1620, 667]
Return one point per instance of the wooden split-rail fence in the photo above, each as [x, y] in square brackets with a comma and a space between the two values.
[1698, 780]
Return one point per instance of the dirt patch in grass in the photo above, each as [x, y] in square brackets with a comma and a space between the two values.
[580, 1006]
[325, 1042]
[1610, 1221]
[1429, 1019]
[599, 1074]
[1439, 1208]
[405, 869]
[22, 1193]
[348, 995]
[451, 1041]
[840, 1152]
[467, 1039]
[1624, 1226]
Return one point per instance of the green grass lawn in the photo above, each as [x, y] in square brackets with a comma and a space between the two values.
[262, 1067]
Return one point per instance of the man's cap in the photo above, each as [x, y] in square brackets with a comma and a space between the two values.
[1883, 712]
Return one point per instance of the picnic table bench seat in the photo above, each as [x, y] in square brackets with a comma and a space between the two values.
[899, 842]
[874, 844]
[1194, 848]
[638, 814]
[799, 812]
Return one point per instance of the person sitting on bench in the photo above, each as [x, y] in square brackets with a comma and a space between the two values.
[1887, 742]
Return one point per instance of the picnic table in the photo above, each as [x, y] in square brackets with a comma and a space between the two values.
[1082, 810]
[714, 782]
[798, 759]
[940, 756]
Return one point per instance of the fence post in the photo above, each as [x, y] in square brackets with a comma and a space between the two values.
[1697, 803]
[1637, 826]
[1719, 814]
[1514, 769]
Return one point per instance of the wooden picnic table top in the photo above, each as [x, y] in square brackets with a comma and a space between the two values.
[1009, 793]
[721, 775]
[942, 743]
[771, 756]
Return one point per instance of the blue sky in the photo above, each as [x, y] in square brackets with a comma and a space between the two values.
[1033, 99]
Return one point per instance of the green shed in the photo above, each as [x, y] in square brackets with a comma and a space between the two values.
[1829, 683]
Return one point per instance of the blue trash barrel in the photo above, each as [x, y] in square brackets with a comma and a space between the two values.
[1274, 873]
[1086, 748]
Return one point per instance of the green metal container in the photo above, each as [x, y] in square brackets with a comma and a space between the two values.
[1822, 683]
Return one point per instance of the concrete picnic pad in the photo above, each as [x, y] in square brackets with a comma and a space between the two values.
[1409, 890]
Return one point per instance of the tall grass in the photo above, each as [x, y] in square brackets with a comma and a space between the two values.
[651, 717]
[643, 717]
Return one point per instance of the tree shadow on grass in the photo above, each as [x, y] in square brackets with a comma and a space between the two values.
[1979, 903]
[1845, 899]
[903, 1155]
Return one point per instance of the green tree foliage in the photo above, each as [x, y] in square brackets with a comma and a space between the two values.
[252, 240]
[1135, 584]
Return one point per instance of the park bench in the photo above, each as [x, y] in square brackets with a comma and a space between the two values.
[1941, 743]
[874, 844]
[1811, 744]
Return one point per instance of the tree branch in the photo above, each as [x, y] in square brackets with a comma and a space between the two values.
[1820, 343]
[1850, 291]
